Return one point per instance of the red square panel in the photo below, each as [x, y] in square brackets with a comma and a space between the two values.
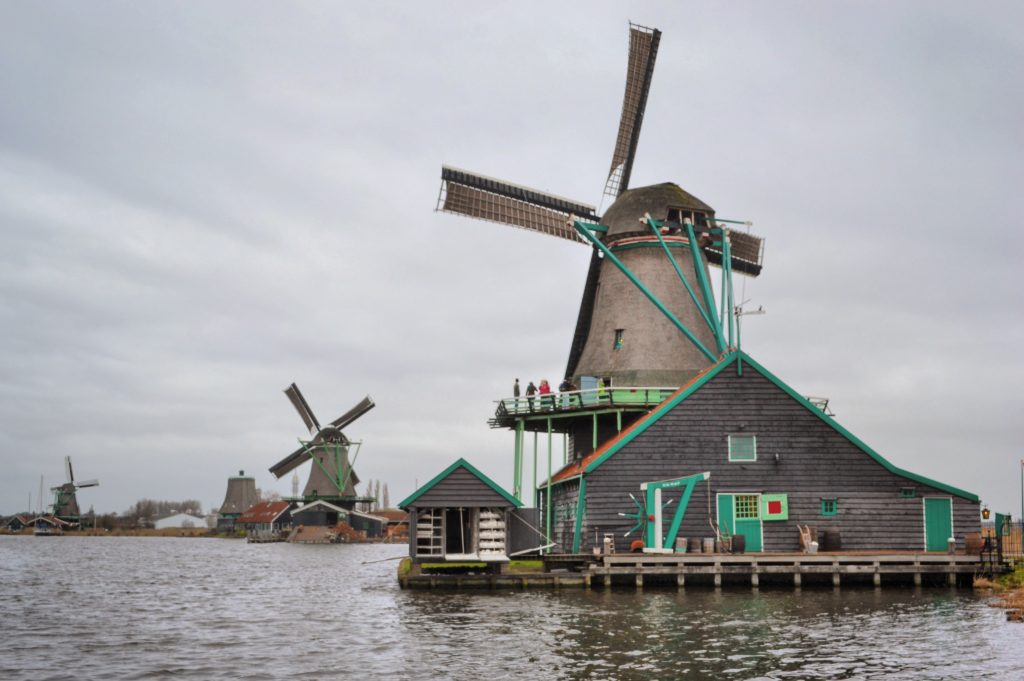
[774, 507]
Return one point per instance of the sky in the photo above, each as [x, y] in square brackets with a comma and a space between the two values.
[203, 202]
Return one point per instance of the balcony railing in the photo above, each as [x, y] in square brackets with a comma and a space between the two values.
[582, 400]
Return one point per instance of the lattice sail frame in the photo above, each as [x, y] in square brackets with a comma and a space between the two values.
[488, 199]
[643, 51]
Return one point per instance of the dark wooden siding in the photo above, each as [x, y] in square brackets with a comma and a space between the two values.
[814, 461]
[460, 489]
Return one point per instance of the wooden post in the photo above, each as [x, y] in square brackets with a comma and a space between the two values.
[796, 577]
[754, 578]
[878, 575]
[680, 580]
[639, 580]
[718, 575]
[835, 574]
[917, 573]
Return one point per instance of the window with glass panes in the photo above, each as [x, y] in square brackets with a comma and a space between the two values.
[746, 507]
[742, 448]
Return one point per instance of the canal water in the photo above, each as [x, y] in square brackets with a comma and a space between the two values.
[154, 608]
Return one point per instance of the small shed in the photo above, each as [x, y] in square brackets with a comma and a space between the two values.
[460, 515]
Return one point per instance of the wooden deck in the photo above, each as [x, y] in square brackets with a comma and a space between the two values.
[717, 570]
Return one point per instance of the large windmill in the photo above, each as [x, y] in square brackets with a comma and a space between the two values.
[648, 316]
[65, 502]
[331, 476]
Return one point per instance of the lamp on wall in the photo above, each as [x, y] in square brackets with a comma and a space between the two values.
[777, 457]
[985, 513]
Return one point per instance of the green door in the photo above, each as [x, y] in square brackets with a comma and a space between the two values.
[938, 523]
[738, 514]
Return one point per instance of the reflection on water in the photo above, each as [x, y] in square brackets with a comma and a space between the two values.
[148, 608]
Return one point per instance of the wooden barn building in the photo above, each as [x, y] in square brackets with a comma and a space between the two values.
[775, 460]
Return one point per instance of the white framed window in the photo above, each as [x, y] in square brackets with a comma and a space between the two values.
[742, 448]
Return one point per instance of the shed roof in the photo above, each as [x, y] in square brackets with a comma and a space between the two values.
[263, 512]
[596, 458]
[463, 464]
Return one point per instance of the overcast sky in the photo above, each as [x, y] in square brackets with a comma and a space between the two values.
[203, 202]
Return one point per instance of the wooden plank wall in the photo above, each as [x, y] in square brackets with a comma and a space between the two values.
[814, 462]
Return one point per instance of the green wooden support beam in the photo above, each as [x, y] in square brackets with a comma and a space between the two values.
[652, 499]
[655, 226]
[702, 279]
[582, 228]
[577, 534]
[547, 494]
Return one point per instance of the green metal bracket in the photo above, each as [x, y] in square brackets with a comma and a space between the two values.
[655, 226]
[583, 229]
[654, 539]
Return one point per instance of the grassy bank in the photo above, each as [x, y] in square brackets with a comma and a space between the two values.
[1009, 590]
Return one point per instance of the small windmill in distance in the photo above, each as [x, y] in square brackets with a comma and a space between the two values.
[65, 501]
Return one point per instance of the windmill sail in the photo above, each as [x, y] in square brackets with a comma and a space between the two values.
[301, 406]
[482, 197]
[643, 50]
[747, 251]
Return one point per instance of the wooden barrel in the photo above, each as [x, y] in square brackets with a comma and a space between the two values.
[974, 543]
[739, 543]
[831, 541]
[709, 545]
[694, 546]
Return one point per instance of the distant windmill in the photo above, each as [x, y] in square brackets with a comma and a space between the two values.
[330, 476]
[65, 503]
[648, 242]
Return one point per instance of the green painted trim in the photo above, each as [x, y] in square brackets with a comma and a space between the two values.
[577, 535]
[853, 438]
[645, 244]
[736, 356]
[461, 463]
[829, 506]
[656, 414]
[647, 292]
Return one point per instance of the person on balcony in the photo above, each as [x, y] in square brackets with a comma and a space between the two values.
[545, 394]
[531, 390]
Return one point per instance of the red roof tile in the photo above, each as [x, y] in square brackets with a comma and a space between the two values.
[263, 512]
[577, 467]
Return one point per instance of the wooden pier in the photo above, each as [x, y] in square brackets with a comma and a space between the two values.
[638, 570]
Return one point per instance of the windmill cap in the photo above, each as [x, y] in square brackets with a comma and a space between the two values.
[621, 217]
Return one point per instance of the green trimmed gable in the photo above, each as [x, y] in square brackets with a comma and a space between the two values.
[742, 361]
[464, 465]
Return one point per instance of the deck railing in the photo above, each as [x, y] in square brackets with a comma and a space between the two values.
[577, 400]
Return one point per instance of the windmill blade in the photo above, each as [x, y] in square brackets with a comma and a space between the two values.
[478, 196]
[67, 469]
[301, 406]
[747, 251]
[87, 483]
[290, 462]
[643, 50]
[365, 405]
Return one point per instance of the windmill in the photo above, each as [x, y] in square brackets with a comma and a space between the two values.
[65, 503]
[648, 315]
[330, 476]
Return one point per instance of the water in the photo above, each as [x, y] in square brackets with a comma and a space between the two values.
[154, 608]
